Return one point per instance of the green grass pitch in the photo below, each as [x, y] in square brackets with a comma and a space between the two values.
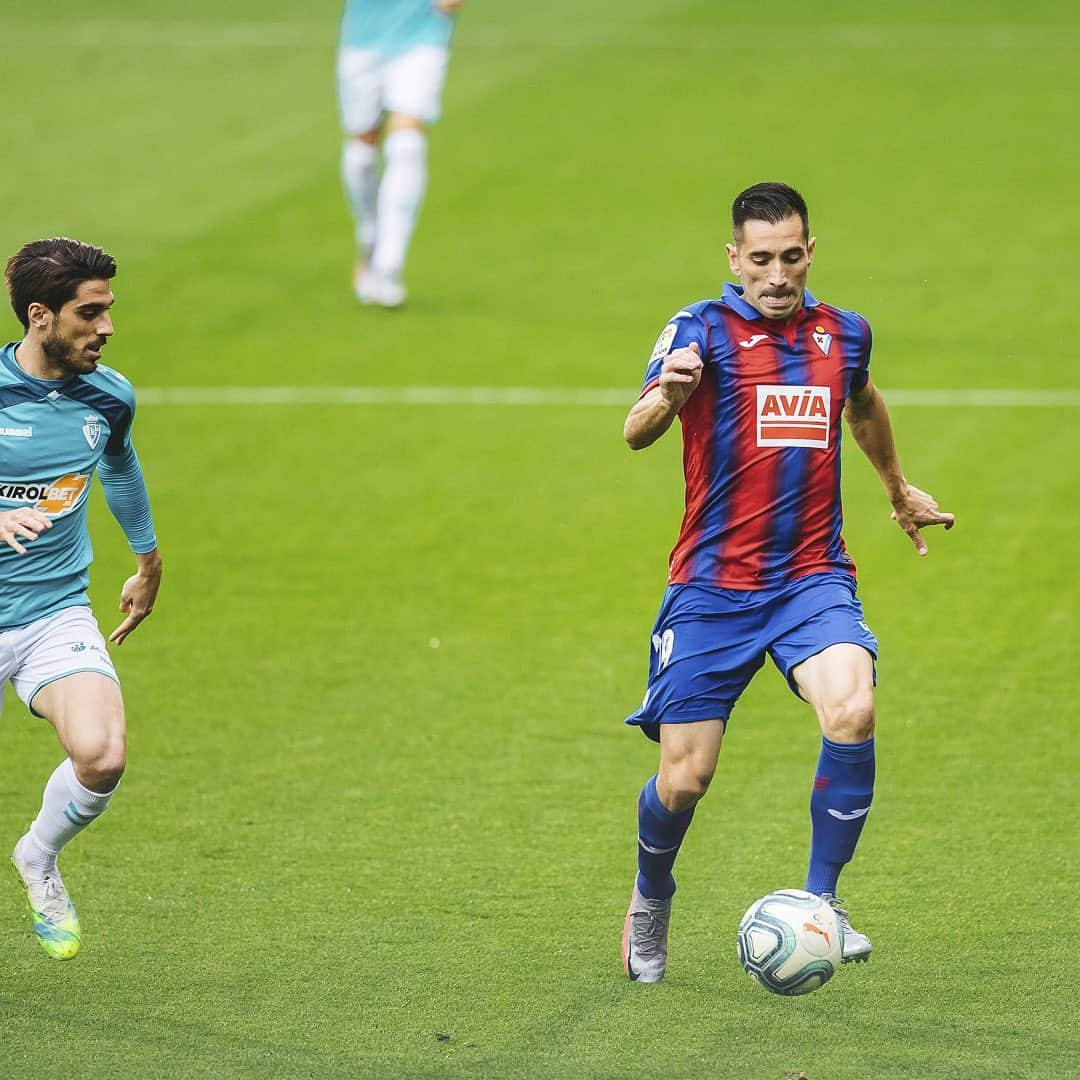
[379, 814]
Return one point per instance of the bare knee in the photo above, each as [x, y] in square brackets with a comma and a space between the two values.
[683, 784]
[404, 122]
[850, 720]
[369, 138]
[100, 764]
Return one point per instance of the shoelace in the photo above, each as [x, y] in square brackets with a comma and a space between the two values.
[52, 902]
[841, 911]
[648, 938]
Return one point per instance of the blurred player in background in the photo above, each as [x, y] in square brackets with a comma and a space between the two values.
[391, 68]
[759, 380]
[62, 416]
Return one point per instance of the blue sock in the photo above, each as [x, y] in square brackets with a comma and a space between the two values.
[843, 791]
[660, 832]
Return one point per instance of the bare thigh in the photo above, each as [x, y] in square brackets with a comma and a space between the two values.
[839, 683]
[86, 710]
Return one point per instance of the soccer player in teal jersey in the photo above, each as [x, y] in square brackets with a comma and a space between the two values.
[391, 68]
[63, 416]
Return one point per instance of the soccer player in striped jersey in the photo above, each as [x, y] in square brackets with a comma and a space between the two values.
[63, 417]
[759, 380]
[391, 68]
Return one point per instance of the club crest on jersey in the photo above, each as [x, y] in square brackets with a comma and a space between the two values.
[793, 416]
[663, 342]
[92, 430]
[822, 340]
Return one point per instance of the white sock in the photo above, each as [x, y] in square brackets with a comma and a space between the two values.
[401, 192]
[66, 809]
[360, 175]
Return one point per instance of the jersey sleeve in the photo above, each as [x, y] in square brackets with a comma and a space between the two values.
[125, 492]
[683, 329]
[862, 370]
[120, 419]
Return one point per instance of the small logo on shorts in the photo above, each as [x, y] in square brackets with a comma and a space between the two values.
[79, 646]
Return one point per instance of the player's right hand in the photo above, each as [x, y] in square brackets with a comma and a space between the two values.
[25, 523]
[680, 375]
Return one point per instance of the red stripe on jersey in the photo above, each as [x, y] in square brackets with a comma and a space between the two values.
[821, 510]
[698, 419]
[754, 479]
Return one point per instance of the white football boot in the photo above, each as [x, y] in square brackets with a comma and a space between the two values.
[55, 923]
[380, 290]
[645, 937]
[856, 946]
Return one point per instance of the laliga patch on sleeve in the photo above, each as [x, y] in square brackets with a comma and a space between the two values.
[663, 342]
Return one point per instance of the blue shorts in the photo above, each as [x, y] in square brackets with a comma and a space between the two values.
[709, 643]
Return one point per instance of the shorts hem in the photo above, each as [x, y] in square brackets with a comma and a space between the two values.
[651, 728]
[817, 651]
[63, 675]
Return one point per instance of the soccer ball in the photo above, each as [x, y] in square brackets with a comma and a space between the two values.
[790, 942]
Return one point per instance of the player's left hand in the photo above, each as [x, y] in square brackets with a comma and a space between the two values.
[137, 599]
[448, 7]
[914, 509]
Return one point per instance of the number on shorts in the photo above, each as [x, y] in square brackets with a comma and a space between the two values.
[663, 644]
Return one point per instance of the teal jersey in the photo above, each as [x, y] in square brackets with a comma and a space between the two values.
[393, 27]
[54, 434]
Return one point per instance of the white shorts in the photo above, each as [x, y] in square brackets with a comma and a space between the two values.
[51, 648]
[370, 85]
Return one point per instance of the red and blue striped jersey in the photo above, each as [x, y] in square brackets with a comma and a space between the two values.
[761, 440]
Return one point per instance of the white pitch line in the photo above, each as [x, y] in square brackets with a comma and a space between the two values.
[534, 395]
[166, 35]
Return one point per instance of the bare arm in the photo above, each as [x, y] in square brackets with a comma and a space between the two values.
[125, 492]
[138, 594]
[653, 414]
[913, 509]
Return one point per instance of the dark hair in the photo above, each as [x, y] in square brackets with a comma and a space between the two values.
[771, 202]
[50, 272]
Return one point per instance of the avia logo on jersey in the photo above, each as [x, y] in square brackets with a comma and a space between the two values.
[53, 499]
[793, 416]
